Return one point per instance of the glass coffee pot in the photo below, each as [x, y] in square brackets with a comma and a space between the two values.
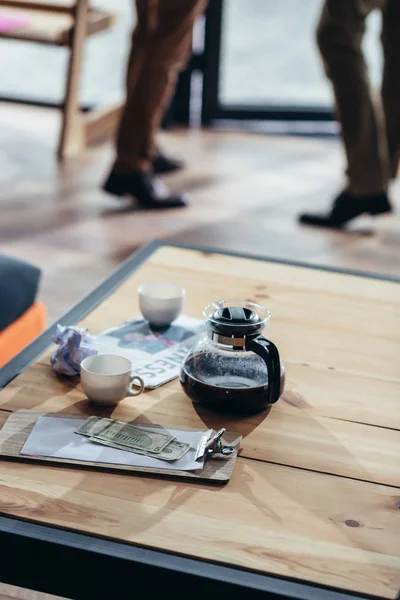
[233, 368]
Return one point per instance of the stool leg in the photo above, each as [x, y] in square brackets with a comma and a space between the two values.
[71, 138]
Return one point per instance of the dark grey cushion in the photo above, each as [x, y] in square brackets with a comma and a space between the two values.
[19, 283]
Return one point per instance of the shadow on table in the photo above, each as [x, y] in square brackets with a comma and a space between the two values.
[243, 424]
[330, 504]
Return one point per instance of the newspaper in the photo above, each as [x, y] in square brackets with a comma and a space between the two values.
[156, 355]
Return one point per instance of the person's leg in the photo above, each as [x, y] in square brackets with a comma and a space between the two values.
[161, 45]
[144, 21]
[391, 80]
[339, 36]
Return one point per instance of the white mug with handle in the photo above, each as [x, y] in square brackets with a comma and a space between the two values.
[107, 379]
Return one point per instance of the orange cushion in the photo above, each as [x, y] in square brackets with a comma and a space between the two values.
[19, 334]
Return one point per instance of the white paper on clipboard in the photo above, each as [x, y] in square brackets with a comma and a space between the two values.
[56, 437]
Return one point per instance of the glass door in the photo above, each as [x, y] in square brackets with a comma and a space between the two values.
[261, 61]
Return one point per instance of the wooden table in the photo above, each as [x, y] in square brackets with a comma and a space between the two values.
[313, 505]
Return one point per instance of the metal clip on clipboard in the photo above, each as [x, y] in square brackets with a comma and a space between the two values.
[214, 447]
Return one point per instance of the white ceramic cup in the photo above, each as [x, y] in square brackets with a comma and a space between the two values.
[107, 379]
[161, 303]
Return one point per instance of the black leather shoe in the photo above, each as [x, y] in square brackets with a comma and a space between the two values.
[145, 188]
[347, 207]
[163, 164]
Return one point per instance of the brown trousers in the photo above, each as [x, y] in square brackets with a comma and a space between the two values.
[161, 44]
[370, 126]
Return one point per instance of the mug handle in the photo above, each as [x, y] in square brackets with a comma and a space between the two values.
[134, 378]
[270, 355]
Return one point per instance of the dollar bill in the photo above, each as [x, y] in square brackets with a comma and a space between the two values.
[174, 451]
[125, 434]
[92, 425]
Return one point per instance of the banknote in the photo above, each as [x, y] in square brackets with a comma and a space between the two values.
[126, 434]
[174, 451]
[92, 425]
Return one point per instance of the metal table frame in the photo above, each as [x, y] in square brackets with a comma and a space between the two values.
[74, 565]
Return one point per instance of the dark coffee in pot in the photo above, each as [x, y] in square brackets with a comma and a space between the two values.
[226, 393]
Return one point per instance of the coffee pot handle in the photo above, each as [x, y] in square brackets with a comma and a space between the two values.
[269, 353]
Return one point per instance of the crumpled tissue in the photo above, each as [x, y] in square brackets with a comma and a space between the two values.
[74, 344]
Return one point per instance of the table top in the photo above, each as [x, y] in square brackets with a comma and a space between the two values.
[314, 495]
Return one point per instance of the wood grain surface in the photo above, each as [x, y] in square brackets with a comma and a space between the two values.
[315, 492]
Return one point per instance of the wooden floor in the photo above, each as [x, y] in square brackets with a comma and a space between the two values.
[11, 592]
[247, 190]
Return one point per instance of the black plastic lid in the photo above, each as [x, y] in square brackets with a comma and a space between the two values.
[235, 320]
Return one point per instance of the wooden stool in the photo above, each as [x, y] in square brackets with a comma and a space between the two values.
[67, 24]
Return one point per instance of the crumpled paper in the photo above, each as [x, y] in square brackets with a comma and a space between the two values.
[74, 344]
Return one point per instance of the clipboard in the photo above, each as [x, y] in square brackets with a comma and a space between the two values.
[20, 424]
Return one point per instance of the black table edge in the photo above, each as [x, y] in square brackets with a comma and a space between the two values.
[279, 261]
[75, 565]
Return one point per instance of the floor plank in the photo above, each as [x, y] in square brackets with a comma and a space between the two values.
[11, 592]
